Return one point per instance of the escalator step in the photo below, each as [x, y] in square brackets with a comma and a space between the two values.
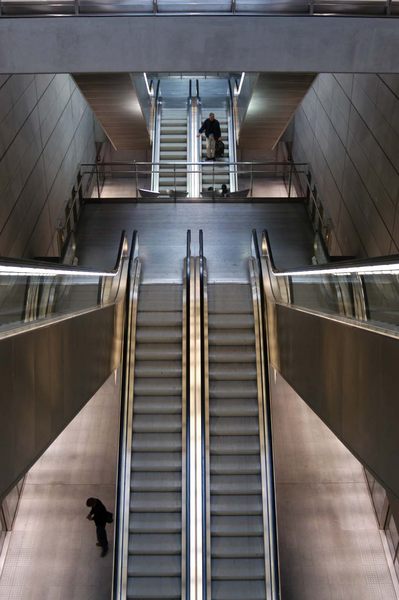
[157, 369]
[236, 505]
[155, 481]
[147, 501]
[239, 465]
[234, 445]
[158, 335]
[234, 426]
[225, 337]
[234, 389]
[232, 354]
[154, 588]
[237, 525]
[148, 566]
[233, 371]
[236, 484]
[238, 590]
[153, 522]
[158, 387]
[166, 544]
[156, 461]
[153, 351]
[238, 568]
[234, 407]
[238, 546]
[157, 405]
[156, 442]
[159, 319]
[163, 423]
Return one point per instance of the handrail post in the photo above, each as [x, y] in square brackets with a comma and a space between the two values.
[290, 181]
[251, 185]
[137, 179]
[98, 182]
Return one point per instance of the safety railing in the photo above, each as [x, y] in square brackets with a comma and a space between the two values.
[137, 8]
[250, 176]
[32, 290]
[362, 290]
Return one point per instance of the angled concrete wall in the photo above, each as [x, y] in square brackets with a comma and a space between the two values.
[46, 131]
[347, 129]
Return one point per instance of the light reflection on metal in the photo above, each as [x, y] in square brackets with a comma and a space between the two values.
[237, 91]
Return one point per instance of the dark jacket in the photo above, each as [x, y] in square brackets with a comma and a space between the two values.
[99, 514]
[211, 127]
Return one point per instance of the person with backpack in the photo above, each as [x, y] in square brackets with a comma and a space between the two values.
[211, 128]
[101, 516]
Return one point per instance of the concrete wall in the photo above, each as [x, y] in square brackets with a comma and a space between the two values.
[347, 128]
[46, 131]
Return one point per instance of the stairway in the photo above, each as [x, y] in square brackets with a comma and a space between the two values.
[214, 174]
[236, 516]
[155, 538]
[173, 147]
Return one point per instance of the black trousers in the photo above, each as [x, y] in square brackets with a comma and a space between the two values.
[102, 536]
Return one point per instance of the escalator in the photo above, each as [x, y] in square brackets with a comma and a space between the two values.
[155, 525]
[237, 526]
[173, 148]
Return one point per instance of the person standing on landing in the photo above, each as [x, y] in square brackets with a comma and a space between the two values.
[101, 517]
[211, 128]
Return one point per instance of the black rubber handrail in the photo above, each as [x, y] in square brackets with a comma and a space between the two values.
[269, 448]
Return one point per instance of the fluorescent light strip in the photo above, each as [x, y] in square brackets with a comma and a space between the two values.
[39, 272]
[366, 270]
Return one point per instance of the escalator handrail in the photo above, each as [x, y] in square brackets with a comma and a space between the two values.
[271, 498]
[203, 419]
[123, 470]
[27, 267]
[376, 265]
[188, 433]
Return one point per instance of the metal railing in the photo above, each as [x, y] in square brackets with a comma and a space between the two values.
[140, 175]
[258, 8]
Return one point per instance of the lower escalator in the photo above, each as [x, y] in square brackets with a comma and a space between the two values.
[237, 526]
[155, 523]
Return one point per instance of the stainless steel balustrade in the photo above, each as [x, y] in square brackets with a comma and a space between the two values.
[333, 334]
[21, 8]
[60, 338]
[145, 174]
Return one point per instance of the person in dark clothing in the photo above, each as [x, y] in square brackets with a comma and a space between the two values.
[211, 128]
[98, 514]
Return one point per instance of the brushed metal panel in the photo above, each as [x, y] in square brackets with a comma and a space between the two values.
[349, 376]
[47, 375]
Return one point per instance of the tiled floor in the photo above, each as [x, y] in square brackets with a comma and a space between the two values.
[330, 545]
[52, 553]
